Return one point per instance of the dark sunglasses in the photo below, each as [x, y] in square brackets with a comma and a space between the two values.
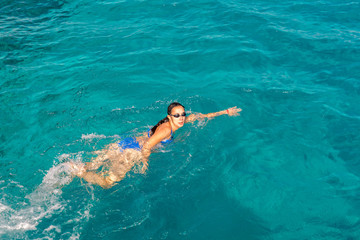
[178, 115]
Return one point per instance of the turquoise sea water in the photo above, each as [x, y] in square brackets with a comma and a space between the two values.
[75, 75]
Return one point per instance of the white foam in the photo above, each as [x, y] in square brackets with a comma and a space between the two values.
[64, 157]
[20, 226]
[44, 201]
[3, 207]
[92, 136]
[52, 227]
[120, 109]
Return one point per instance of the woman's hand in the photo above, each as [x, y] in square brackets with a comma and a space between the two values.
[144, 167]
[234, 111]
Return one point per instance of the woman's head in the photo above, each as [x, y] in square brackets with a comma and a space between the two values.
[176, 115]
[173, 105]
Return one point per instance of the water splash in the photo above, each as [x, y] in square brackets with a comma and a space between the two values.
[42, 203]
[92, 136]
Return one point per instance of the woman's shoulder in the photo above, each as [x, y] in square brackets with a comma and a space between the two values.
[164, 129]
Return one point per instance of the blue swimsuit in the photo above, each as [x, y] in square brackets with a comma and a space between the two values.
[164, 141]
[130, 142]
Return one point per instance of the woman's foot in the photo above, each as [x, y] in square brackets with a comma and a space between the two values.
[77, 169]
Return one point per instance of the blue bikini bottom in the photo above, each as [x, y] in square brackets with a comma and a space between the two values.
[129, 142]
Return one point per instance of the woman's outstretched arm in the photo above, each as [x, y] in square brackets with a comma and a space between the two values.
[234, 111]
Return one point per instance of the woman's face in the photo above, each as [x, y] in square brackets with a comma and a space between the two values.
[177, 117]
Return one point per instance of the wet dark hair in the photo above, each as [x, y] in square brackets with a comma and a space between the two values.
[166, 119]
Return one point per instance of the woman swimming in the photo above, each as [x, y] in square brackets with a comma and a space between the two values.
[119, 158]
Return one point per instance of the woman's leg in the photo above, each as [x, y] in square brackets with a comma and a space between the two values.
[103, 155]
[105, 180]
[100, 179]
[120, 163]
[96, 162]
